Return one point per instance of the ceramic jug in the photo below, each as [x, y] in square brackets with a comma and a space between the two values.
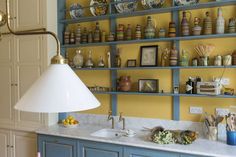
[173, 56]
[220, 22]
[207, 24]
[185, 26]
[232, 25]
[124, 84]
[78, 59]
[150, 30]
[197, 29]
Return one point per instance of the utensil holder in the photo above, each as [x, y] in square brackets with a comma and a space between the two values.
[231, 138]
[212, 133]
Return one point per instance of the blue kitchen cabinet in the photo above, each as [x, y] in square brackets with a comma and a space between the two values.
[98, 149]
[51, 146]
[141, 152]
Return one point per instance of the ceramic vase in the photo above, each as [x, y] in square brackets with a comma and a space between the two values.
[185, 24]
[150, 30]
[78, 59]
[220, 22]
[124, 84]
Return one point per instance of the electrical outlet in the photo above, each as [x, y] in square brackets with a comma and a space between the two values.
[224, 81]
[222, 111]
[195, 110]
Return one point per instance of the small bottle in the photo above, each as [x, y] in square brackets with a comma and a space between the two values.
[220, 22]
[189, 86]
[78, 35]
[72, 38]
[90, 36]
[172, 30]
[162, 33]
[103, 38]
[66, 36]
[101, 63]
[89, 62]
[185, 25]
[138, 32]
[85, 36]
[173, 56]
[97, 33]
[120, 32]
[128, 33]
[118, 59]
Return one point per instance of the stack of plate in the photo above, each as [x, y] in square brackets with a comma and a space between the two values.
[100, 7]
[185, 2]
[126, 7]
[152, 4]
[76, 11]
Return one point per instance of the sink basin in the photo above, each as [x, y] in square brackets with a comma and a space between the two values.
[108, 133]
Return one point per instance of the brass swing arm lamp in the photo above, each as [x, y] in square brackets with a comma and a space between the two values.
[6, 19]
[58, 89]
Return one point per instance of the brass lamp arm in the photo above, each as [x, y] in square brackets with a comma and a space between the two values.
[58, 59]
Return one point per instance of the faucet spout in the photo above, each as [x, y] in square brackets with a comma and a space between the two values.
[122, 119]
[110, 117]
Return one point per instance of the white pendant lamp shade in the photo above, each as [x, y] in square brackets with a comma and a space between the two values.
[59, 89]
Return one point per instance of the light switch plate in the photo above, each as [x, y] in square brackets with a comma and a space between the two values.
[195, 110]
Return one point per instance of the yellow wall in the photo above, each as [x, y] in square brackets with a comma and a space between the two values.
[154, 106]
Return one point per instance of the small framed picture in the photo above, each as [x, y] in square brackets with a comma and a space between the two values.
[148, 85]
[131, 63]
[148, 56]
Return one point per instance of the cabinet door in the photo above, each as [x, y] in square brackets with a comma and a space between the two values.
[140, 152]
[24, 144]
[28, 14]
[6, 82]
[94, 149]
[28, 69]
[4, 143]
[50, 146]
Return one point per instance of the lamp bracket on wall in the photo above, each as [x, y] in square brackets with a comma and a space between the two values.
[5, 18]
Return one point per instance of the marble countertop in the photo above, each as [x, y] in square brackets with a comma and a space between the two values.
[199, 147]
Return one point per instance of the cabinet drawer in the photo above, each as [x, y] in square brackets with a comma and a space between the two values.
[50, 146]
[96, 149]
[139, 152]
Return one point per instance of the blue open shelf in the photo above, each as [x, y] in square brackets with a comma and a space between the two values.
[147, 12]
[228, 35]
[112, 16]
[165, 94]
[156, 68]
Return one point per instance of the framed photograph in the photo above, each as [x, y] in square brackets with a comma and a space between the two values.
[131, 63]
[148, 85]
[148, 56]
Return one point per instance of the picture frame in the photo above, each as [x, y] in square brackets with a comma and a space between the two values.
[149, 56]
[131, 63]
[148, 85]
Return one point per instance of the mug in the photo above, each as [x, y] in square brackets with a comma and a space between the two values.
[231, 138]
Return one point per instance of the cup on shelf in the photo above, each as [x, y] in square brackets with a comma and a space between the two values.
[231, 138]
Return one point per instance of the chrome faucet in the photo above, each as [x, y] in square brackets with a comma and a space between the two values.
[121, 118]
[110, 117]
